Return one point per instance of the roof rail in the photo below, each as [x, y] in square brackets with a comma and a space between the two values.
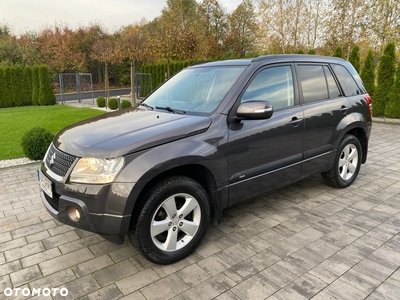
[291, 57]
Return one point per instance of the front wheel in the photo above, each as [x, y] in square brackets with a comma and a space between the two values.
[173, 220]
[347, 163]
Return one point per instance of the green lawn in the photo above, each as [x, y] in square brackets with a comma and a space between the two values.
[14, 122]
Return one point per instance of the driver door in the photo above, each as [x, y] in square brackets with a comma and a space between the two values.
[265, 154]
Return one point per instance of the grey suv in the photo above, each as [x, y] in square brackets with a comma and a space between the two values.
[213, 135]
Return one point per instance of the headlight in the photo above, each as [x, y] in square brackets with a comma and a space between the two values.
[96, 170]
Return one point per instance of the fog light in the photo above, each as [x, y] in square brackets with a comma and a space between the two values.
[73, 214]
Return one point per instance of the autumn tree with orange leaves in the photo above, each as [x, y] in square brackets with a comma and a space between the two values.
[133, 45]
[59, 47]
[105, 50]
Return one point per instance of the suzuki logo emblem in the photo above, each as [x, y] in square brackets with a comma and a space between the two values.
[52, 159]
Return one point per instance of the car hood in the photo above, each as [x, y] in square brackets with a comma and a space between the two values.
[126, 131]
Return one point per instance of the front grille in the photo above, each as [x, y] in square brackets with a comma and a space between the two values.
[54, 202]
[59, 162]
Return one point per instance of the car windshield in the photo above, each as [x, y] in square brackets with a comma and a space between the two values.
[195, 90]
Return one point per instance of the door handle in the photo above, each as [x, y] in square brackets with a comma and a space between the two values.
[344, 109]
[295, 121]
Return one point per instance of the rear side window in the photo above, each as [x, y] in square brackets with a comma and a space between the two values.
[349, 86]
[313, 82]
[332, 86]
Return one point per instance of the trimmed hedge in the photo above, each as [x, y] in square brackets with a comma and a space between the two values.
[23, 86]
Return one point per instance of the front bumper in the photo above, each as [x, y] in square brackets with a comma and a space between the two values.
[100, 208]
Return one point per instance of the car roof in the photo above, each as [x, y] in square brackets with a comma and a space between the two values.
[274, 58]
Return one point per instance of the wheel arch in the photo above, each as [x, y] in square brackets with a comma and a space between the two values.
[361, 135]
[197, 172]
[354, 124]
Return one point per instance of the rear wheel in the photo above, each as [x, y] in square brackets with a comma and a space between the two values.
[347, 163]
[173, 220]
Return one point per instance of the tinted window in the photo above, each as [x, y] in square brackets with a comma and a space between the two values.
[332, 86]
[274, 85]
[347, 82]
[197, 90]
[313, 83]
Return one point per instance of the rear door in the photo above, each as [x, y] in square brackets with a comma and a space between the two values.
[324, 105]
[265, 154]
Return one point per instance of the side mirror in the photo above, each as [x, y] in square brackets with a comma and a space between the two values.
[255, 110]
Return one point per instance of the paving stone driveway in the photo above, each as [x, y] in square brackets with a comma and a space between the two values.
[305, 240]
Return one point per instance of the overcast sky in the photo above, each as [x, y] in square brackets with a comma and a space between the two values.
[23, 15]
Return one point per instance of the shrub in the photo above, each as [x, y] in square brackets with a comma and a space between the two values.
[101, 101]
[126, 104]
[113, 103]
[35, 142]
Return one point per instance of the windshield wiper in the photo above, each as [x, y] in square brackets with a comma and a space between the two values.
[173, 110]
[146, 105]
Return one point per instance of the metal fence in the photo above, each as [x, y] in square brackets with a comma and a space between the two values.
[75, 83]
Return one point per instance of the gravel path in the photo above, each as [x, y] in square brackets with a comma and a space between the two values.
[15, 162]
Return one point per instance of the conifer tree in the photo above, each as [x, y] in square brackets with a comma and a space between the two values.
[368, 73]
[35, 85]
[354, 58]
[338, 52]
[386, 75]
[18, 85]
[392, 109]
[1, 87]
[46, 94]
[8, 91]
[27, 99]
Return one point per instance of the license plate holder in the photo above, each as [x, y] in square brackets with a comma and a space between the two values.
[45, 184]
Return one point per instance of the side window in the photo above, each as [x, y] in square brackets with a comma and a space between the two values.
[273, 84]
[313, 83]
[332, 86]
[350, 87]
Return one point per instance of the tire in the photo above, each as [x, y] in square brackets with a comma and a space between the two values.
[173, 220]
[347, 163]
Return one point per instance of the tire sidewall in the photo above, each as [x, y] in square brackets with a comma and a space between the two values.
[158, 195]
[347, 140]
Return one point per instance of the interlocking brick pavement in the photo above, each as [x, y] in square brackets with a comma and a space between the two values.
[303, 241]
